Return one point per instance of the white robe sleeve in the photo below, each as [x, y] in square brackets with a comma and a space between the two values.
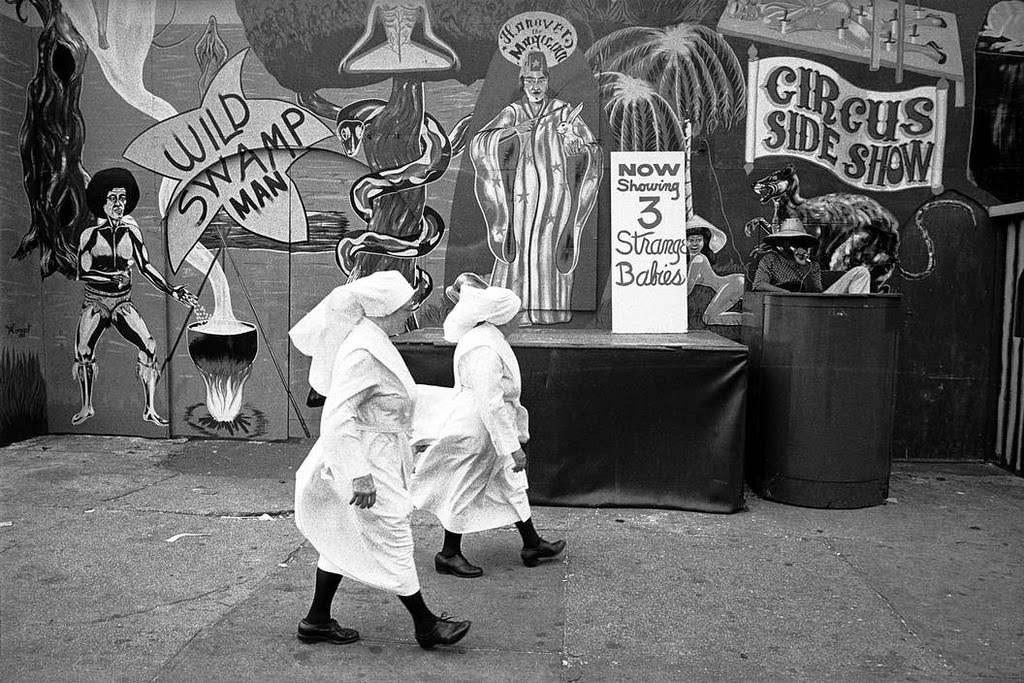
[523, 424]
[433, 405]
[361, 373]
[481, 372]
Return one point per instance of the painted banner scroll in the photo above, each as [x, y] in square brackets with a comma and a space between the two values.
[876, 140]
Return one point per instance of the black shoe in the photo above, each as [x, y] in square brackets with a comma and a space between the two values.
[531, 556]
[331, 632]
[445, 632]
[457, 565]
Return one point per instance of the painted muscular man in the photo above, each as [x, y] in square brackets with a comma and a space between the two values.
[106, 253]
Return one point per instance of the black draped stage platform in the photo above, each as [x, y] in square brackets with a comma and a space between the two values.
[631, 420]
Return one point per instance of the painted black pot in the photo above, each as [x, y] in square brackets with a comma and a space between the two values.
[223, 353]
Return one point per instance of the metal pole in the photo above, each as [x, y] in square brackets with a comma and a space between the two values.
[266, 340]
[901, 27]
[875, 56]
[199, 291]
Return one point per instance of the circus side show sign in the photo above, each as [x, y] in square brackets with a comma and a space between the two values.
[882, 141]
[648, 242]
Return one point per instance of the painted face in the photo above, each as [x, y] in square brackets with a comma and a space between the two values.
[117, 197]
[535, 85]
[694, 244]
[350, 132]
[801, 254]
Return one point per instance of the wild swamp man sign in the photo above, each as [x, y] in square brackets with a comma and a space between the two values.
[231, 153]
[876, 140]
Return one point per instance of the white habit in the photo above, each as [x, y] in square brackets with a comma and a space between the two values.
[364, 429]
[465, 477]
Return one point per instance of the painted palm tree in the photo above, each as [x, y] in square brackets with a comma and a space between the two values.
[689, 65]
[641, 119]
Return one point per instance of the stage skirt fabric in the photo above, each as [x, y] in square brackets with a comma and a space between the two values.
[364, 429]
[465, 476]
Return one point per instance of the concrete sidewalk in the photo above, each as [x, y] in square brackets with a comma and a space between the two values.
[128, 559]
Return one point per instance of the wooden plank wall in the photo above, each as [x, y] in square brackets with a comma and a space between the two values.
[1010, 419]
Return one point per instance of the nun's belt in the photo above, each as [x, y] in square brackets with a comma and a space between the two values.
[400, 428]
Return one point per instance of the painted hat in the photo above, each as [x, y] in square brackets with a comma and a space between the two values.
[713, 236]
[534, 62]
[792, 229]
[453, 290]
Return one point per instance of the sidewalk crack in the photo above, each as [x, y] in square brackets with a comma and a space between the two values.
[190, 598]
[293, 554]
[170, 661]
[141, 488]
[568, 658]
[181, 649]
[827, 543]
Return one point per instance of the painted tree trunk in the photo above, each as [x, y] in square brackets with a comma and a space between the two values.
[392, 139]
[51, 142]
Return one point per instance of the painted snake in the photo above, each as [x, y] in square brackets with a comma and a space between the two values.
[437, 151]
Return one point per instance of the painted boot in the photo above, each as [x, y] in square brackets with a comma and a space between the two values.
[149, 375]
[85, 373]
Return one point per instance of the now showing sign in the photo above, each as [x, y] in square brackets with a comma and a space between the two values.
[648, 242]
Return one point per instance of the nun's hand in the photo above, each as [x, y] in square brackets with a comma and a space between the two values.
[519, 457]
[364, 492]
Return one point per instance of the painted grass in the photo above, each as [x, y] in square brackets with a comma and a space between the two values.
[22, 397]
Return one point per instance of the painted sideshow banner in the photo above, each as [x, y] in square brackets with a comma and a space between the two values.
[535, 233]
[688, 77]
[879, 33]
[396, 51]
[535, 171]
[399, 143]
[876, 140]
[648, 242]
[542, 32]
[230, 153]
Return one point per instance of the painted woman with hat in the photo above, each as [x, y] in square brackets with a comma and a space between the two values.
[788, 266]
[473, 476]
[351, 497]
[703, 241]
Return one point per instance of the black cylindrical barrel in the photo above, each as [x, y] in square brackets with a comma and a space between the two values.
[822, 387]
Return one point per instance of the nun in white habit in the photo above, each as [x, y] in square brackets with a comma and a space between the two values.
[472, 477]
[351, 495]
